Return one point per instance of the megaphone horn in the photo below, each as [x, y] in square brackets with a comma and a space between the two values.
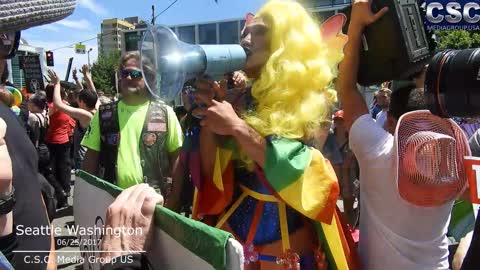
[167, 62]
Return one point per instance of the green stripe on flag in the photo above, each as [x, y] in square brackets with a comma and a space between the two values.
[328, 252]
[206, 242]
[285, 162]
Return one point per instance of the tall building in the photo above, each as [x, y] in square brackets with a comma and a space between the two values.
[109, 39]
[139, 23]
[323, 9]
[225, 31]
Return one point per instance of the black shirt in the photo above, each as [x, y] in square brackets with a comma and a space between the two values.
[472, 261]
[29, 210]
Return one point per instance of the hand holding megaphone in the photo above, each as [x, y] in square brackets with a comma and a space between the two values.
[218, 116]
[167, 63]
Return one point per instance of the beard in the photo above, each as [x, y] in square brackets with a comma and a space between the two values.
[132, 90]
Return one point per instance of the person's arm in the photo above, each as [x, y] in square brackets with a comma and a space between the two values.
[173, 146]
[82, 115]
[8, 240]
[461, 251]
[173, 202]
[91, 140]
[352, 101]
[77, 81]
[220, 118]
[6, 177]
[87, 76]
[91, 161]
[208, 147]
[474, 143]
[254, 145]
[34, 125]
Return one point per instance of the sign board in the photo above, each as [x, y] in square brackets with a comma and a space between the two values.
[178, 242]
[80, 48]
[472, 168]
[32, 72]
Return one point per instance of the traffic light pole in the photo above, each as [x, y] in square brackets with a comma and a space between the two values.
[88, 55]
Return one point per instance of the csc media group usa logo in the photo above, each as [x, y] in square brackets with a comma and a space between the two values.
[453, 14]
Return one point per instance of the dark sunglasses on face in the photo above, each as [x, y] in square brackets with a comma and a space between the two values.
[134, 74]
[9, 43]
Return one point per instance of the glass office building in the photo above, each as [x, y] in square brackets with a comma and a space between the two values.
[228, 31]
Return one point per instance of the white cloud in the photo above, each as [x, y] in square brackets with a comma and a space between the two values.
[49, 27]
[80, 24]
[93, 7]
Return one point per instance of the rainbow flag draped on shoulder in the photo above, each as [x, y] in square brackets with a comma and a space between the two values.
[299, 177]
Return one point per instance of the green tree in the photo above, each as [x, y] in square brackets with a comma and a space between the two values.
[476, 40]
[103, 72]
[457, 39]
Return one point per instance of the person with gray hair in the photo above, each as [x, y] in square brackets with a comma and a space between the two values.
[137, 139]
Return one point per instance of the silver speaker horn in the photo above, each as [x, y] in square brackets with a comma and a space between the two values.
[167, 62]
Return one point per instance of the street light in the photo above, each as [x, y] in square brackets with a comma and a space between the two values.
[88, 54]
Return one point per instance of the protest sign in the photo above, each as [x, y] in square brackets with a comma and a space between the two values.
[178, 242]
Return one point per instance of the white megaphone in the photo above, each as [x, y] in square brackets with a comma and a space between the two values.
[167, 63]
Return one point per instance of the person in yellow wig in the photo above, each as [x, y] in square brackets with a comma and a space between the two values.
[259, 179]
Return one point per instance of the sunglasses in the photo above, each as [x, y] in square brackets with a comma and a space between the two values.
[134, 74]
[9, 43]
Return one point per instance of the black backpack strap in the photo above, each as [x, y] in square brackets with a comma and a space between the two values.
[110, 140]
[43, 126]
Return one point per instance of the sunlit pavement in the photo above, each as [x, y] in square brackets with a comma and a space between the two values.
[69, 253]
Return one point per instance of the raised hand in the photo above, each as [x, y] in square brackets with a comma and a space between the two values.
[74, 74]
[239, 81]
[362, 14]
[86, 71]
[53, 77]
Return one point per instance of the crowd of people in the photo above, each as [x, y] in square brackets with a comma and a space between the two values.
[263, 153]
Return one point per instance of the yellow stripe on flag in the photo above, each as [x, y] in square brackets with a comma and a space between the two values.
[311, 194]
[334, 241]
[222, 159]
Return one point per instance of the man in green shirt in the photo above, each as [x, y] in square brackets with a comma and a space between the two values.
[142, 134]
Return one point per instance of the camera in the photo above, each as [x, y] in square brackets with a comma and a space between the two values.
[452, 83]
[397, 45]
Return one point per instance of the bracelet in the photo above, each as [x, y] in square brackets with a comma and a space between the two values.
[7, 203]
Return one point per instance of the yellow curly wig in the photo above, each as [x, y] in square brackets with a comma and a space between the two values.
[294, 92]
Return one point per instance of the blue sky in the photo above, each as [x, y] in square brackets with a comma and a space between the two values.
[84, 23]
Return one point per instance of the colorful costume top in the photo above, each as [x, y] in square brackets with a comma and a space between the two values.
[297, 187]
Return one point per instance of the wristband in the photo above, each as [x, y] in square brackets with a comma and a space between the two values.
[7, 203]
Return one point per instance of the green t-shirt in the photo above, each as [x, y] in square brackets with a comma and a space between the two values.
[131, 120]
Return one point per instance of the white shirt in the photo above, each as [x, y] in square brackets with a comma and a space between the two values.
[381, 118]
[394, 234]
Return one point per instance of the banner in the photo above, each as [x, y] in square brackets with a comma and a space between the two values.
[178, 242]
[32, 72]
